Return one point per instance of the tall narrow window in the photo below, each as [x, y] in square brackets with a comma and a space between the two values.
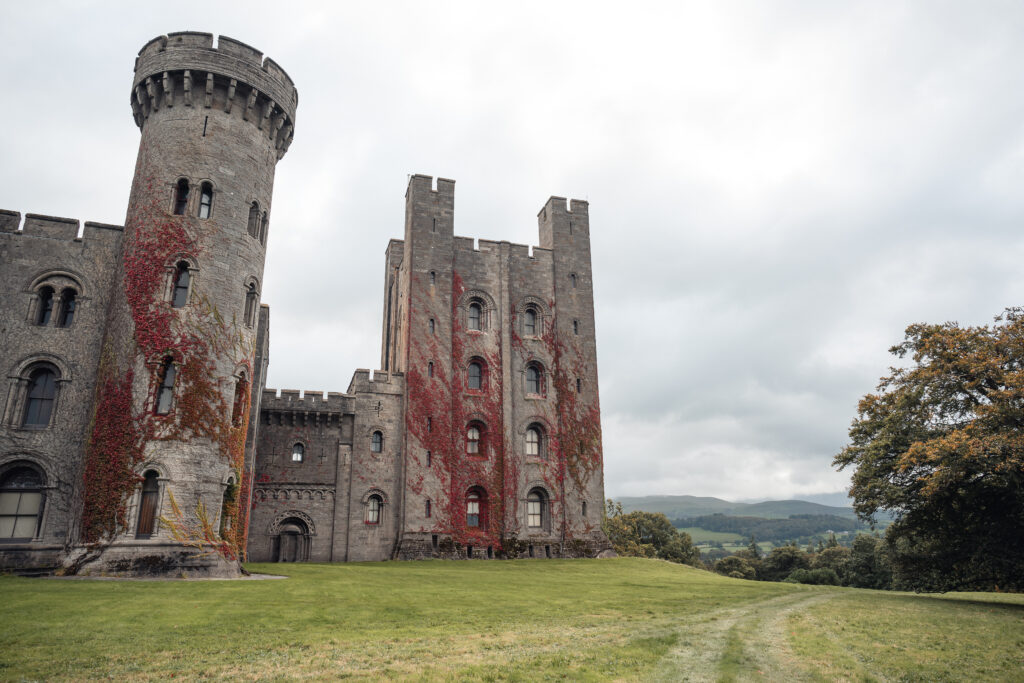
[42, 392]
[575, 326]
[147, 505]
[572, 280]
[431, 326]
[533, 441]
[473, 440]
[430, 369]
[377, 442]
[263, 228]
[535, 510]
[584, 509]
[475, 376]
[475, 313]
[181, 197]
[68, 303]
[430, 459]
[473, 509]
[433, 278]
[165, 392]
[241, 397]
[530, 322]
[427, 509]
[534, 379]
[21, 504]
[254, 219]
[373, 505]
[298, 452]
[205, 200]
[182, 277]
[579, 385]
[45, 310]
[227, 505]
[252, 300]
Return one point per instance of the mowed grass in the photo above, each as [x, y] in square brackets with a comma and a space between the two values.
[623, 619]
[700, 535]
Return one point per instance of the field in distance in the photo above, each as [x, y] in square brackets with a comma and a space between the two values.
[529, 620]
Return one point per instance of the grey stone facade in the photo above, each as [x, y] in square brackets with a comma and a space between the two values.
[326, 478]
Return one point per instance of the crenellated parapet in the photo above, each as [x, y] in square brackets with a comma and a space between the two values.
[378, 382]
[185, 70]
[291, 406]
[57, 228]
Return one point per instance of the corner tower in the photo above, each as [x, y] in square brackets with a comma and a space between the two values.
[167, 477]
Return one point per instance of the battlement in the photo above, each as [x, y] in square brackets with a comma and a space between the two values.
[293, 400]
[375, 381]
[186, 68]
[419, 183]
[561, 206]
[57, 228]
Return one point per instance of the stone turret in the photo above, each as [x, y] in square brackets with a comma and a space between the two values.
[181, 333]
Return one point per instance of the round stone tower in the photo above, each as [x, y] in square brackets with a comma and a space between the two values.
[166, 482]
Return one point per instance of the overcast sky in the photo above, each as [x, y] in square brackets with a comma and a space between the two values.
[776, 189]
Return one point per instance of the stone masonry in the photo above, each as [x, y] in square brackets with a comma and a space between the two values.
[479, 437]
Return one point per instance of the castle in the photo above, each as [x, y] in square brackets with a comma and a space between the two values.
[137, 435]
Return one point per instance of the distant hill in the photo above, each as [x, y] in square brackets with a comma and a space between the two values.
[676, 507]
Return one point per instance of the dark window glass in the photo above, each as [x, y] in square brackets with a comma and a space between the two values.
[533, 379]
[68, 303]
[252, 300]
[474, 316]
[475, 376]
[575, 326]
[45, 306]
[373, 505]
[254, 219]
[205, 200]
[165, 393]
[298, 452]
[377, 442]
[263, 228]
[584, 508]
[579, 385]
[42, 392]
[431, 326]
[182, 277]
[181, 197]
[147, 505]
[429, 459]
[572, 279]
[433, 278]
[430, 369]
[427, 509]
[530, 322]
[473, 509]
[21, 504]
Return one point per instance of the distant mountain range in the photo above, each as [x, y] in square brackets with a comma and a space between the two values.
[676, 507]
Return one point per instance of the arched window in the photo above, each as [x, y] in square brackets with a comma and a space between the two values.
[534, 441]
[42, 393]
[377, 442]
[476, 508]
[181, 197]
[583, 508]
[572, 280]
[21, 503]
[263, 228]
[241, 397]
[254, 219]
[148, 505]
[534, 379]
[252, 302]
[373, 508]
[536, 509]
[475, 316]
[473, 439]
[68, 303]
[298, 452]
[205, 200]
[433, 278]
[182, 278]
[430, 369]
[530, 322]
[165, 390]
[431, 326]
[45, 310]
[475, 375]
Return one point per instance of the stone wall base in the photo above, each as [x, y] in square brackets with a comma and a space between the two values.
[423, 546]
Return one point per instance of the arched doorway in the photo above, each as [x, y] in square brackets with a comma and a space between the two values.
[292, 541]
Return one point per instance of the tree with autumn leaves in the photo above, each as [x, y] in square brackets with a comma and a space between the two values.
[941, 447]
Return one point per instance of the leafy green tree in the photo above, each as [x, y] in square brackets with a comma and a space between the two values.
[647, 534]
[781, 562]
[736, 567]
[815, 577]
[836, 558]
[869, 565]
[941, 446]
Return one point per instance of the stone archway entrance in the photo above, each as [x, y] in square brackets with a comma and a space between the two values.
[292, 542]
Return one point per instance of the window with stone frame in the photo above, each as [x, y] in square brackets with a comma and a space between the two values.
[476, 375]
[377, 441]
[530, 319]
[373, 509]
[535, 441]
[68, 305]
[474, 316]
[534, 379]
[252, 304]
[181, 192]
[536, 509]
[476, 508]
[253, 224]
[298, 452]
[22, 499]
[182, 282]
[165, 386]
[149, 499]
[474, 439]
[44, 306]
[40, 396]
[205, 199]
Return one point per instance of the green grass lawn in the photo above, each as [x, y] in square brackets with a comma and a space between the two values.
[700, 535]
[516, 620]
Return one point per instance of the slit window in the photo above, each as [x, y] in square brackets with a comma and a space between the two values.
[205, 200]
[45, 311]
[68, 303]
[431, 326]
[182, 278]
[264, 224]
[575, 326]
[572, 280]
[181, 197]
[165, 391]
[430, 369]
[252, 301]
[427, 509]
